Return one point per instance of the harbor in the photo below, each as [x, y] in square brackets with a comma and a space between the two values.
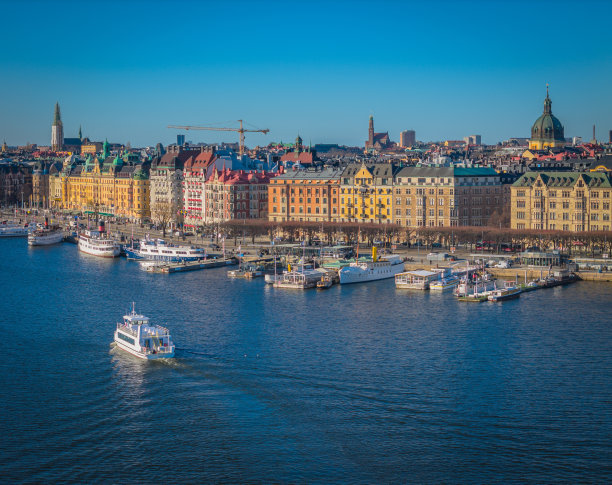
[258, 364]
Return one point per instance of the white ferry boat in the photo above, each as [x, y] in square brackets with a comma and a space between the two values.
[9, 229]
[377, 269]
[46, 235]
[480, 286]
[97, 243]
[136, 336]
[159, 250]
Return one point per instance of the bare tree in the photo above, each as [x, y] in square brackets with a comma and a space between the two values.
[163, 213]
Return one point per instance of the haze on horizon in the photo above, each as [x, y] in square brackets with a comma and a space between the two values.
[126, 70]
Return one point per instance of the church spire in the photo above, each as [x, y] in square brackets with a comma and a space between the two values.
[57, 118]
[80, 133]
[547, 103]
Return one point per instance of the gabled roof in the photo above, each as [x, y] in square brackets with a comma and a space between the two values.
[565, 179]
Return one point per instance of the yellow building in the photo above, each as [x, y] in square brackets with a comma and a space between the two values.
[562, 201]
[366, 193]
[116, 187]
[547, 131]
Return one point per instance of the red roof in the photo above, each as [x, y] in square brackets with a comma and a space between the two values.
[305, 158]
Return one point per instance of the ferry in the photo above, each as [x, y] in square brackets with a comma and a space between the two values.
[509, 292]
[377, 269]
[136, 336]
[300, 279]
[159, 250]
[10, 229]
[97, 243]
[46, 235]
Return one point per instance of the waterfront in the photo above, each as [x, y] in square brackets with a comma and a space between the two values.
[361, 383]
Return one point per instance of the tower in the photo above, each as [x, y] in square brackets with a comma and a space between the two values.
[57, 131]
[80, 133]
[371, 132]
[547, 131]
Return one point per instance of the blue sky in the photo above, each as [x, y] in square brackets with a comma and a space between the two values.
[125, 70]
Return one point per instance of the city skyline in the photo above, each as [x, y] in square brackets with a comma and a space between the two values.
[446, 72]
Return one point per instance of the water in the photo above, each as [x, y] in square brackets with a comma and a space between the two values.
[358, 384]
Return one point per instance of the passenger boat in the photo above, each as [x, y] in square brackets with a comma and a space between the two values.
[509, 292]
[248, 272]
[136, 336]
[46, 235]
[446, 283]
[10, 229]
[97, 243]
[377, 269]
[159, 250]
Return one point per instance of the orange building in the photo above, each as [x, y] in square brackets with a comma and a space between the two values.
[305, 195]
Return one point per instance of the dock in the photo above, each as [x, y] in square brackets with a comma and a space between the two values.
[192, 265]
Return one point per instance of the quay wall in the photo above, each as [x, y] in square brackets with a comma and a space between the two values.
[511, 273]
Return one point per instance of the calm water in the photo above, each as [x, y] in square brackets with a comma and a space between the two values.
[360, 384]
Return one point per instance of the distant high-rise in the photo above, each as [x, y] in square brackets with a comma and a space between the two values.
[57, 131]
[180, 140]
[473, 140]
[610, 137]
[407, 138]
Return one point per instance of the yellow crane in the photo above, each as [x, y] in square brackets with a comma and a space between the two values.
[240, 130]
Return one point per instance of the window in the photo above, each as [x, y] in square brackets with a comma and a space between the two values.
[565, 194]
[520, 204]
[440, 212]
[520, 193]
[552, 205]
[408, 212]
[441, 201]
[520, 215]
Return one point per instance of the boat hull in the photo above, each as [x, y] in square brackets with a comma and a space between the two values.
[141, 355]
[350, 274]
[45, 240]
[111, 252]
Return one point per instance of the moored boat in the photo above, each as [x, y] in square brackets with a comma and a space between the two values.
[46, 235]
[11, 229]
[97, 243]
[377, 269]
[446, 283]
[136, 336]
[509, 292]
[159, 250]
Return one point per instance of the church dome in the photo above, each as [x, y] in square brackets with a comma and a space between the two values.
[547, 128]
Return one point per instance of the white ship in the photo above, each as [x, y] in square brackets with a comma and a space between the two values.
[136, 336]
[159, 250]
[377, 269]
[97, 243]
[49, 234]
[8, 229]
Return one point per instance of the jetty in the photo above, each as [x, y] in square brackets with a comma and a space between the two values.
[168, 268]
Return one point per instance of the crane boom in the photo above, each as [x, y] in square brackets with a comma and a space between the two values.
[240, 130]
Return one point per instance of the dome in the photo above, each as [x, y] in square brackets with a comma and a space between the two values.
[547, 128]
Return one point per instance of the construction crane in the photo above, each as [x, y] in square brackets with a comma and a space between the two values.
[240, 130]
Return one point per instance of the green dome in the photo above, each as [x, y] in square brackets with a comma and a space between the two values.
[547, 127]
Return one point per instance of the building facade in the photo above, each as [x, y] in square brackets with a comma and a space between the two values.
[562, 201]
[305, 195]
[112, 186]
[366, 193]
[196, 171]
[166, 184]
[407, 138]
[446, 196]
[236, 194]
[15, 184]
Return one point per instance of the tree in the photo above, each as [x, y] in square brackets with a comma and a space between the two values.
[163, 213]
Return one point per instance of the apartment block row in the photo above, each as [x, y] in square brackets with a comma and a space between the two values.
[562, 201]
[385, 193]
